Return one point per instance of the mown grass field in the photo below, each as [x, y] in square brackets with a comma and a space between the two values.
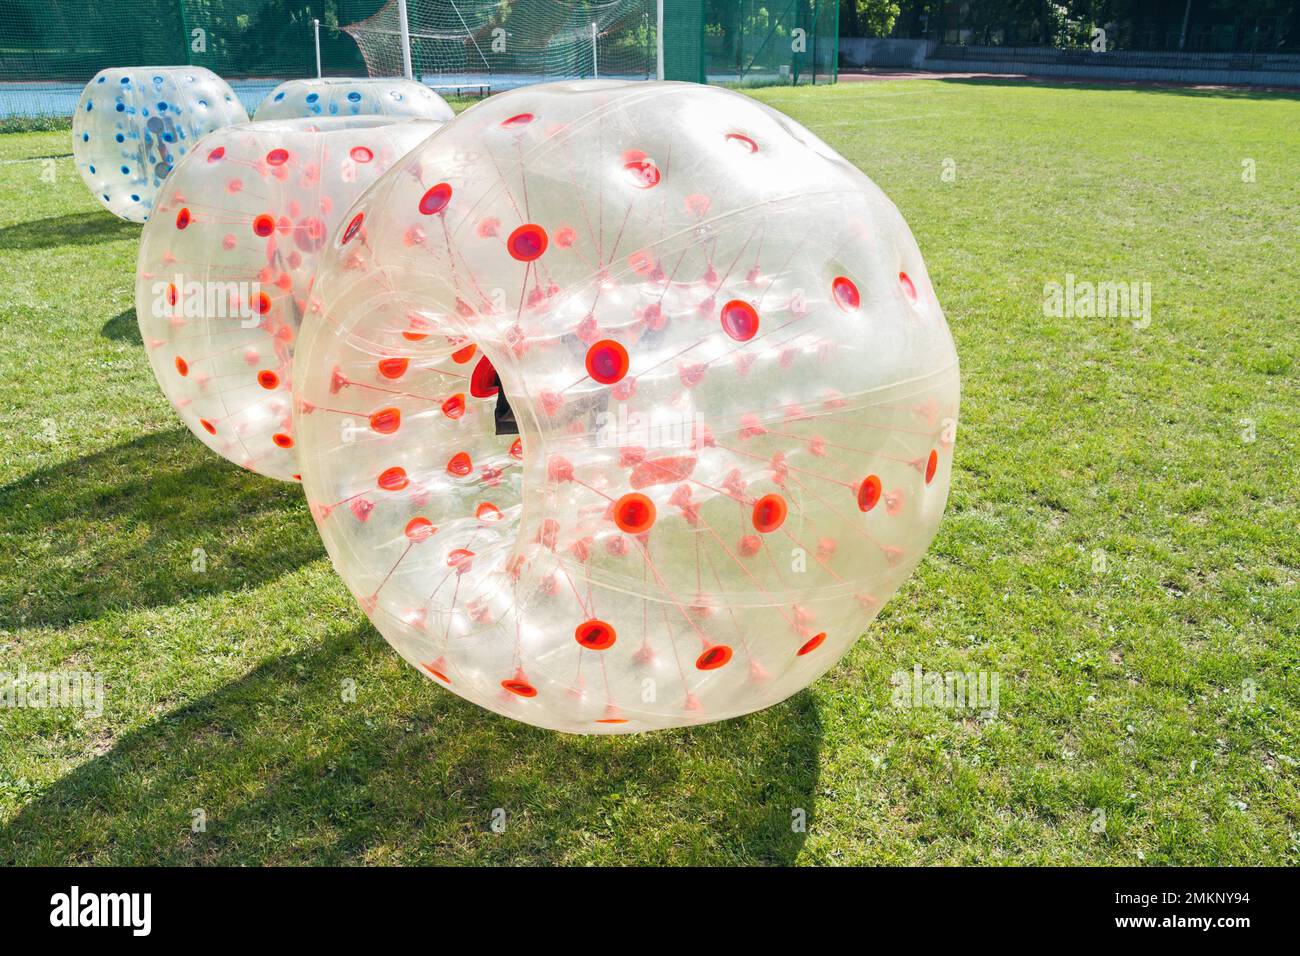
[1121, 548]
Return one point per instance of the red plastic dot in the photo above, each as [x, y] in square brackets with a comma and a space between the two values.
[769, 513]
[262, 303]
[417, 529]
[739, 320]
[931, 466]
[520, 688]
[263, 225]
[268, 379]
[210, 428]
[634, 513]
[846, 293]
[527, 242]
[642, 173]
[812, 645]
[454, 407]
[392, 368]
[354, 226]
[519, 119]
[393, 479]
[607, 362]
[909, 288]
[361, 154]
[277, 157]
[461, 356]
[595, 635]
[217, 154]
[386, 420]
[483, 381]
[868, 493]
[432, 669]
[743, 141]
[435, 199]
[460, 464]
[183, 218]
[182, 366]
[517, 449]
[487, 511]
[282, 440]
[713, 657]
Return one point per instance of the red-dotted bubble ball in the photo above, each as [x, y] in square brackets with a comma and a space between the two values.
[224, 277]
[659, 332]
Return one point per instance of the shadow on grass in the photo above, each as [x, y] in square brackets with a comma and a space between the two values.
[74, 229]
[123, 327]
[286, 772]
[120, 529]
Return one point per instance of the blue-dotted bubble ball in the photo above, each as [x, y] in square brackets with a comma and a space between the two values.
[133, 124]
[342, 96]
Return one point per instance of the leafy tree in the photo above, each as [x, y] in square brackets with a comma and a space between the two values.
[867, 18]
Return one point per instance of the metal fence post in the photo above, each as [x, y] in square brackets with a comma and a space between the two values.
[185, 31]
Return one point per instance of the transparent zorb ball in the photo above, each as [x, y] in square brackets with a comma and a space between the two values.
[227, 263]
[133, 124]
[342, 96]
[734, 393]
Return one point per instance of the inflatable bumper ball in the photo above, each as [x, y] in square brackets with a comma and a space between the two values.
[624, 405]
[132, 125]
[333, 96]
[227, 263]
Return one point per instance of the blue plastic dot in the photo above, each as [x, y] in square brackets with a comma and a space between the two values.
[126, 81]
[120, 138]
[354, 96]
[279, 97]
[162, 106]
[85, 137]
[92, 169]
[121, 107]
[311, 97]
[134, 198]
[126, 170]
[101, 79]
[89, 107]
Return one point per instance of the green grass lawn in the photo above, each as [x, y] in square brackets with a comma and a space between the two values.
[1117, 549]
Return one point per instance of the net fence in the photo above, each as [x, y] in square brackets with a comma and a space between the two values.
[751, 42]
[509, 44]
[503, 44]
[49, 49]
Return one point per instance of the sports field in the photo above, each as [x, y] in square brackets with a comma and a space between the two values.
[1121, 552]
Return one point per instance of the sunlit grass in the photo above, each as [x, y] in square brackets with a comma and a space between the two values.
[1121, 548]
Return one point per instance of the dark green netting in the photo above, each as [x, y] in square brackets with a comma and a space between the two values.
[50, 48]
